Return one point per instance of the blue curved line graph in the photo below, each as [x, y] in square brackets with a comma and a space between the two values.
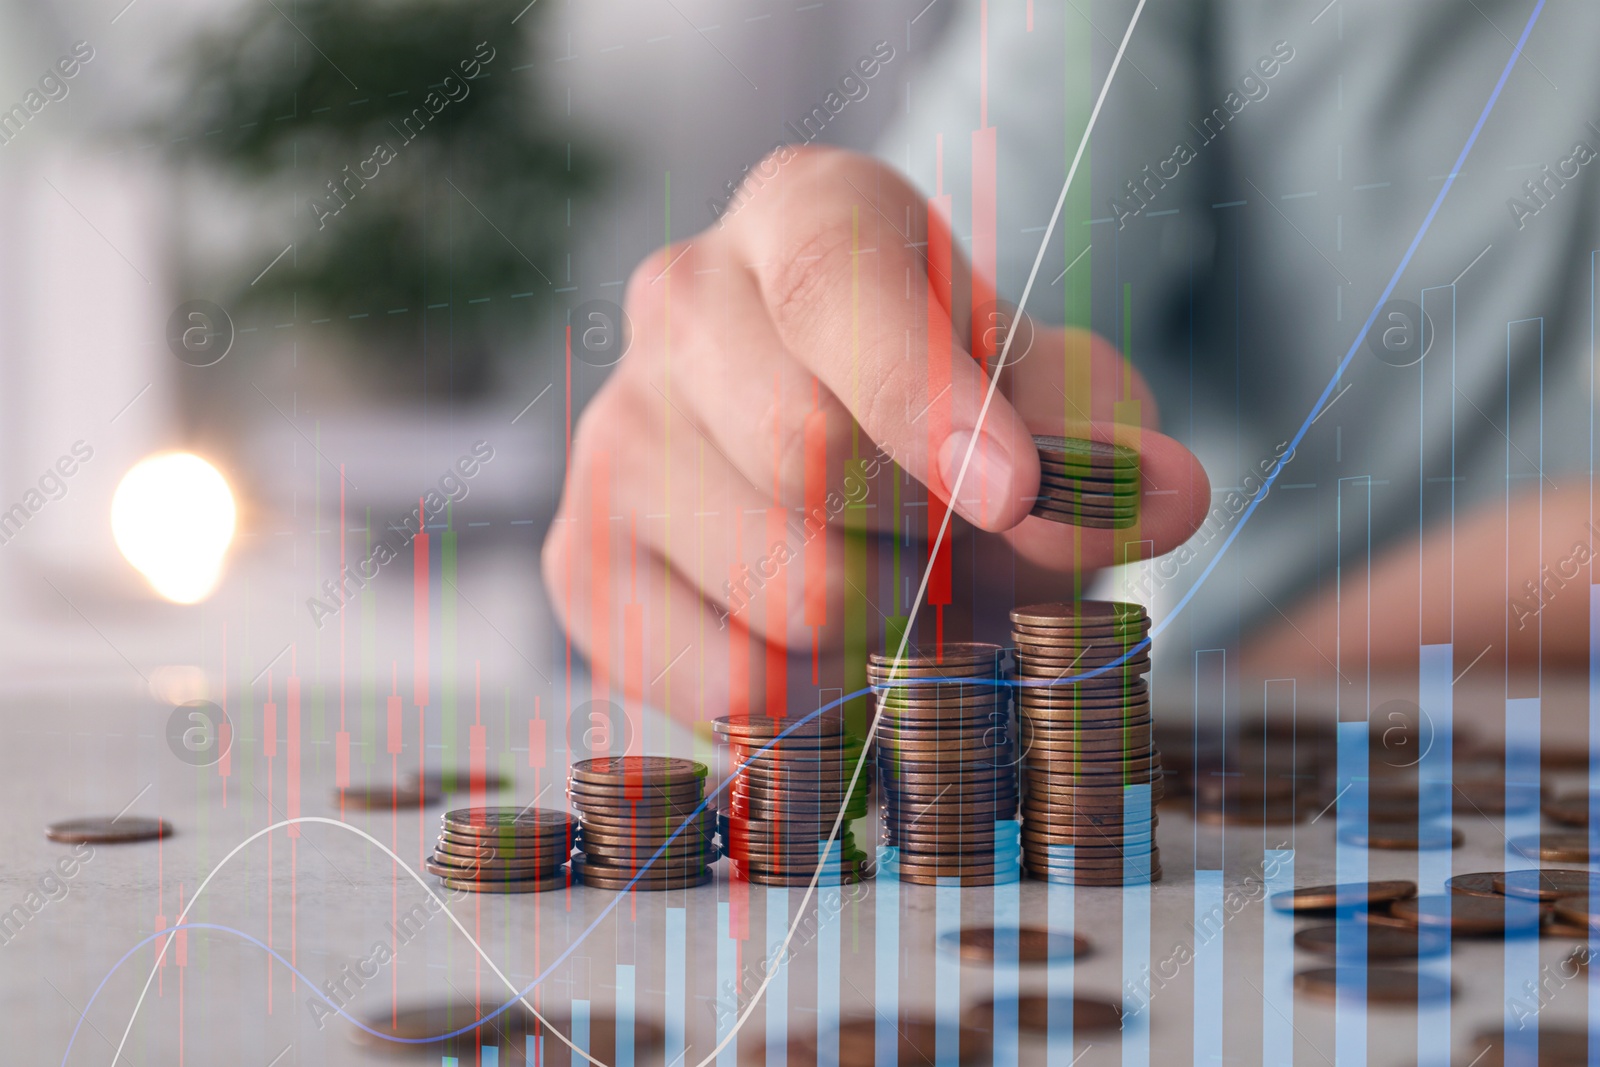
[1388, 290]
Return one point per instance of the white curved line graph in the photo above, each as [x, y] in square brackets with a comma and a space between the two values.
[426, 888]
[944, 531]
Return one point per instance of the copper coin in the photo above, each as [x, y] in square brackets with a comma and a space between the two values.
[1006, 877]
[738, 873]
[1481, 884]
[1571, 810]
[432, 782]
[933, 674]
[108, 830]
[380, 797]
[989, 776]
[948, 652]
[552, 853]
[1383, 985]
[991, 788]
[1058, 613]
[1559, 1046]
[650, 824]
[1556, 926]
[559, 880]
[451, 859]
[1356, 940]
[1344, 895]
[801, 868]
[1402, 836]
[1023, 944]
[1095, 878]
[604, 878]
[509, 1031]
[631, 797]
[450, 870]
[998, 831]
[918, 1040]
[981, 748]
[1547, 884]
[1085, 859]
[1470, 915]
[481, 822]
[1575, 911]
[768, 727]
[1561, 846]
[649, 770]
[958, 866]
[1034, 1012]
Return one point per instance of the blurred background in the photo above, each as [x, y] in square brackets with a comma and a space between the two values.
[332, 248]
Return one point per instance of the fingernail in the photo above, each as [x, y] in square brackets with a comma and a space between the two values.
[988, 477]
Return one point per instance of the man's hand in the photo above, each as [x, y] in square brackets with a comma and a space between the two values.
[824, 319]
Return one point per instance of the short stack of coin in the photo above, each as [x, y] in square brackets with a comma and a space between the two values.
[947, 777]
[645, 823]
[1085, 740]
[789, 782]
[1087, 483]
[504, 850]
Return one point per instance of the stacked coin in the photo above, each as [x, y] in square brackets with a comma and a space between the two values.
[504, 850]
[1091, 776]
[789, 782]
[645, 822]
[947, 776]
[1087, 483]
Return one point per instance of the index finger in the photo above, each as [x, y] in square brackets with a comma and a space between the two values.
[859, 278]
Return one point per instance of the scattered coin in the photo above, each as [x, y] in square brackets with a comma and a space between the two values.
[1558, 1046]
[1480, 884]
[1024, 944]
[1343, 895]
[918, 1043]
[1470, 915]
[1035, 1012]
[380, 797]
[108, 830]
[1576, 911]
[1548, 883]
[1560, 846]
[508, 1031]
[1382, 985]
[1571, 810]
[1402, 836]
[437, 782]
[1352, 940]
[1556, 926]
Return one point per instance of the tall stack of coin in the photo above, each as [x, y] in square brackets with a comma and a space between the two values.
[1087, 483]
[504, 850]
[645, 823]
[947, 776]
[788, 782]
[1084, 724]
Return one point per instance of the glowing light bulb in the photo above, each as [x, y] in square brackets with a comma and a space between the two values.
[172, 517]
